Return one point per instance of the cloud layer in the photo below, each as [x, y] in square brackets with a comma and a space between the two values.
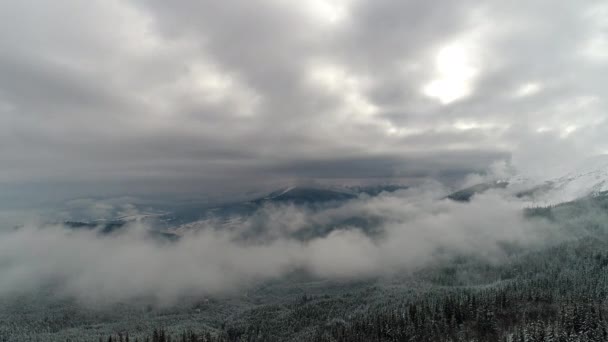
[415, 230]
[225, 92]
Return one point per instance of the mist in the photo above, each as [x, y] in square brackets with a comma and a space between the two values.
[413, 229]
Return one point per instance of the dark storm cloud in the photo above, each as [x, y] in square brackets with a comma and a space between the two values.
[385, 166]
[234, 92]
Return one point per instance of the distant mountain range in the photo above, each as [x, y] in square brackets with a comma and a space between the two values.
[303, 195]
[232, 214]
[587, 179]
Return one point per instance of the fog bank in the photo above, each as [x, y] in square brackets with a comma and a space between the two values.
[415, 230]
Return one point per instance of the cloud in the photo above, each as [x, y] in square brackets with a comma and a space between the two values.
[198, 95]
[414, 230]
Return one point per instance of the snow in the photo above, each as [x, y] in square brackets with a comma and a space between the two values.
[281, 193]
[587, 178]
[139, 216]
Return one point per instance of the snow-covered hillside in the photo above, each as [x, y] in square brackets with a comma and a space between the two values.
[587, 178]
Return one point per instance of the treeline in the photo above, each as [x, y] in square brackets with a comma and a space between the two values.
[457, 318]
[489, 316]
[554, 295]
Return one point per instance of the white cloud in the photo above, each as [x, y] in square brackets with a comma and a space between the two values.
[455, 71]
[414, 225]
[348, 87]
[528, 89]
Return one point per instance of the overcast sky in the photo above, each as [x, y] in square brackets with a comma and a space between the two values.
[228, 92]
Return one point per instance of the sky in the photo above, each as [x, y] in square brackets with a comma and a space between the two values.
[131, 96]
